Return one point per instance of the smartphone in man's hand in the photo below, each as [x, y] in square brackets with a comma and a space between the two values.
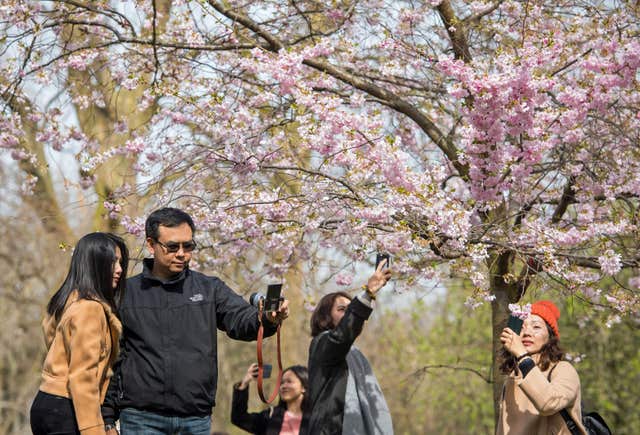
[515, 324]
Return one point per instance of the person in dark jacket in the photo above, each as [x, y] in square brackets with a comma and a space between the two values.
[165, 378]
[345, 395]
[290, 417]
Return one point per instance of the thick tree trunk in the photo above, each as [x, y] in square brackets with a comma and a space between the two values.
[499, 315]
[506, 292]
[119, 105]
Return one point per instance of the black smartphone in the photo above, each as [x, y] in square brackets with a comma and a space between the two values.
[380, 257]
[272, 301]
[266, 371]
[515, 324]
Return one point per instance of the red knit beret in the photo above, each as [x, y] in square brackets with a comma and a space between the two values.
[549, 312]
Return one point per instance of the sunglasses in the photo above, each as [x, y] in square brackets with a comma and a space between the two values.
[173, 247]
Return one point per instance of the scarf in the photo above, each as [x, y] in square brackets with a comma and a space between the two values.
[365, 411]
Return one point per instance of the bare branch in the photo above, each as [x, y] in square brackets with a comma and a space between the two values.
[427, 368]
[477, 17]
[356, 196]
[274, 43]
[153, 42]
[101, 11]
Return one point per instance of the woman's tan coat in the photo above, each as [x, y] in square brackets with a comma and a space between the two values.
[81, 349]
[531, 406]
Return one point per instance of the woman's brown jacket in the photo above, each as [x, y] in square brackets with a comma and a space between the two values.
[532, 405]
[82, 346]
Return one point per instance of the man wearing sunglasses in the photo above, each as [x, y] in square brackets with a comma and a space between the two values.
[166, 376]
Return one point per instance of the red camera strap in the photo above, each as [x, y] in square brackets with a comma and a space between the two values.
[276, 389]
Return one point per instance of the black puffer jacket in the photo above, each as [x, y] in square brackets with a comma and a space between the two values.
[169, 361]
[328, 370]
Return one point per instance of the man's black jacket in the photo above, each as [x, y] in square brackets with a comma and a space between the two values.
[168, 361]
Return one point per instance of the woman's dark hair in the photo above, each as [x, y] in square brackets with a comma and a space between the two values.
[91, 272]
[302, 374]
[321, 318]
[167, 217]
[550, 353]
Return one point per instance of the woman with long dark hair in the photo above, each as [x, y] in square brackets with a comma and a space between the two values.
[539, 384]
[81, 332]
[291, 415]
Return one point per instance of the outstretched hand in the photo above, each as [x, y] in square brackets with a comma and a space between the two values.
[379, 277]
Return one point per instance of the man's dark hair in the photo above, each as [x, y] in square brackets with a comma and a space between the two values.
[321, 318]
[91, 272]
[167, 217]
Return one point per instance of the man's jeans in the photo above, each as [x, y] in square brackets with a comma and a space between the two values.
[136, 422]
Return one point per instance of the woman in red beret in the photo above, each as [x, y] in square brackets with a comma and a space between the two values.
[540, 384]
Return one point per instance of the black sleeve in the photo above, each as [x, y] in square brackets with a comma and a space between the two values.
[525, 366]
[110, 408]
[237, 317]
[255, 423]
[332, 347]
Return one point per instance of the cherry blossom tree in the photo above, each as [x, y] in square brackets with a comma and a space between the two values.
[495, 141]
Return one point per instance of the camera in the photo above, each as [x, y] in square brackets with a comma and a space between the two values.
[271, 303]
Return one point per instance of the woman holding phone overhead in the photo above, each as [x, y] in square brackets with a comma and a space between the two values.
[81, 332]
[291, 415]
[345, 394]
[539, 384]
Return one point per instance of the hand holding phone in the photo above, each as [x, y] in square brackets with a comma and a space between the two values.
[515, 324]
[380, 257]
[510, 337]
[250, 375]
[380, 276]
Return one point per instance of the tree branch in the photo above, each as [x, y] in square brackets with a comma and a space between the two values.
[568, 196]
[425, 369]
[387, 97]
[356, 196]
[274, 43]
[456, 30]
